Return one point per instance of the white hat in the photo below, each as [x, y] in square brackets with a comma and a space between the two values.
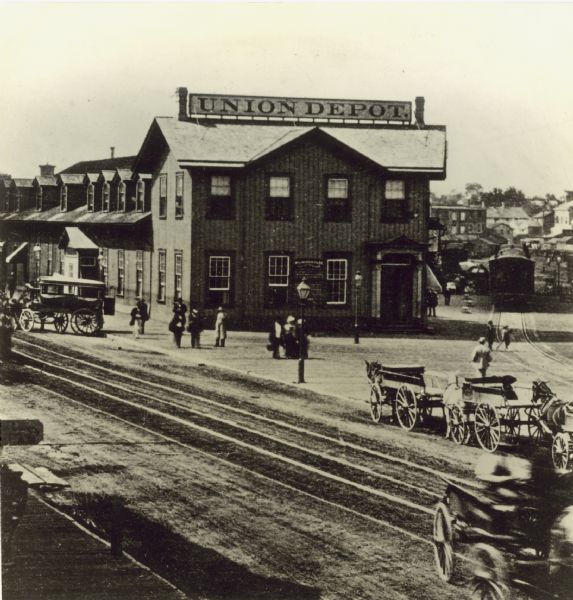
[290, 319]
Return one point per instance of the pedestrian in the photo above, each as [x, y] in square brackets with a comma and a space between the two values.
[302, 337]
[431, 302]
[490, 334]
[220, 328]
[505, 337]
[144, 311]
[136, 321]
[195, 327]
[276, 338]
[178, 307]
[481, 357]
[6, 331]
[290, 340]
[177, 328]
[447, 296]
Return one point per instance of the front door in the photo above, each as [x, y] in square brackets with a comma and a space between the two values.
[396, 291]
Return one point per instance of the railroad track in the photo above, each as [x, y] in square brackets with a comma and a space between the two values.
[357, 478]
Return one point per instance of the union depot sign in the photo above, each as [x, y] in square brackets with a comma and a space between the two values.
[296, 108]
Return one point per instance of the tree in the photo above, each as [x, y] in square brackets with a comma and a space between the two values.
[474, 191]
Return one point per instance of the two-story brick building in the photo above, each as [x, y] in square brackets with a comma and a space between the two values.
[239, 198]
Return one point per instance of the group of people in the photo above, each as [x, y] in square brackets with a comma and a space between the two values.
[195, 325]
[288, 340]
[481, 354]
[139, 316]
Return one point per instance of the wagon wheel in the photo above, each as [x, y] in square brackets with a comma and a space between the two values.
[457, 427]
[443, 537]
[534, 429]
[61, 321]
[86, 321]
[406, 407]
[560, 450]
[378, 396]
[512, 425]
[486, 589]
[27, 320]
[487, 427]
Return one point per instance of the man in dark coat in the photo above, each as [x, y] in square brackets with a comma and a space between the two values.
[144, 312]
[195, 327]
[490, 334]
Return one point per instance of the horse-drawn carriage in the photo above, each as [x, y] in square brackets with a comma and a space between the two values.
[515, 540]
[63, 301]
[485, 409]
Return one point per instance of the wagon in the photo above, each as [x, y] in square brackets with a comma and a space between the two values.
[63, 301]
[410, 391]
[512, 543]
[486, 409]
[552, 418]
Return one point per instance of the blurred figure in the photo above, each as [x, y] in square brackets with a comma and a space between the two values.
[490, 334]
[195, 327]
[447, 296]
[220, 327]
[177, 328]
[481, 357]
[276, 338]
[144, 311]
[290, 341]
[136, 320]
[505, 337]
[6, 331]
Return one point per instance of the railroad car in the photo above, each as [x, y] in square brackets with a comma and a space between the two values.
[511, 277]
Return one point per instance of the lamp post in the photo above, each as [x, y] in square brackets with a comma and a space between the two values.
[101, 259]
[303, 291]
[558, 263]
[37, 250]
[357, 285]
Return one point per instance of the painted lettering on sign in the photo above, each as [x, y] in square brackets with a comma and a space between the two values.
[284, 108]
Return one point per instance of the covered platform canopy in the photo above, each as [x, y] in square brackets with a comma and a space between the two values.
[18, 253]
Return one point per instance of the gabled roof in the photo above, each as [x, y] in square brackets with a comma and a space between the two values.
[22, 183]
[565, 205]
[71, 178]
[45, 181]
[506, 212]
[106, 175]
[95, 166]
[398, 149]
[123, 174]
[91, 177]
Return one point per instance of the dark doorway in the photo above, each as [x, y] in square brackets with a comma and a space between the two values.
[396, 289]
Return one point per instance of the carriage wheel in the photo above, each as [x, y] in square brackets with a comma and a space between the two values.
[457, 427]
[61, 321]
[512, 425]
[86, 322]
[27, 320]
[406, 407]
[487, 427]
[375, 403]
[486, 589]
[534, 429]
[443, 537]
[560, 451]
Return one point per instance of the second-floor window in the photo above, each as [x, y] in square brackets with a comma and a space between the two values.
[394, 204]
[139, 273]
[64, 198]
[162, 273]
[337, 203]
[178, 195]
[163, 195]
[140, 196]
[178, 292]
[221, 203]
[120, 272]
[279, 201]
[105, 197]
[90, 197]
[121, 196]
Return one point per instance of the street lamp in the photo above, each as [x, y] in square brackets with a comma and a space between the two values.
[37, 250]
[303, 293]
[558, 262]
[357, 285]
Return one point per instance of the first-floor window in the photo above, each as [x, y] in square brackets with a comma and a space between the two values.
[139, 273]
[162, 271]
[219, 280]
[278, 280]
[336, 280]
[120, 272]
[178, 292]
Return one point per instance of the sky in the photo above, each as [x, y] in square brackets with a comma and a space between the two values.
[78, 78]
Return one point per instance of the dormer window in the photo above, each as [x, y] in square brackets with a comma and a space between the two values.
[64, 198]
[39, 198]
[90, 199]
[140, 196]
[121, 196]
[105, 197]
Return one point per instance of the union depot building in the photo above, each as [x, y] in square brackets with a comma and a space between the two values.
[235, 201]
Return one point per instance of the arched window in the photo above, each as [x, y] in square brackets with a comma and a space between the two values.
[140, 196]
[90, 196]
[105, 197]
[121, 196]
[64, 198]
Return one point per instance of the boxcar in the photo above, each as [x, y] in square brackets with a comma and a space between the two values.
[511, 277]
